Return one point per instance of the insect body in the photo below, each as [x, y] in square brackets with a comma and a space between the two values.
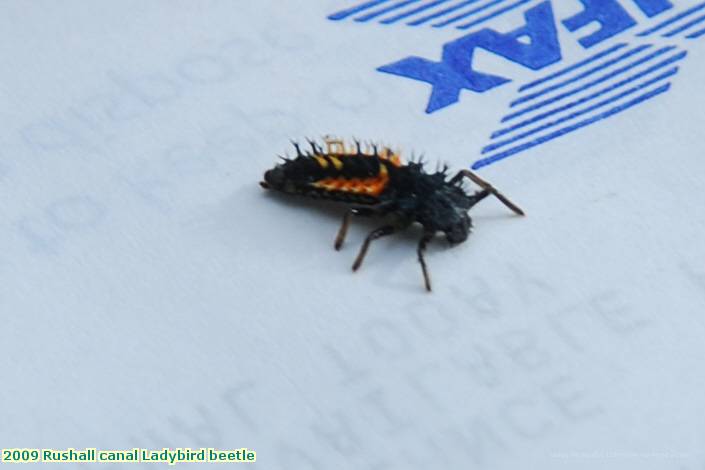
[376, 182]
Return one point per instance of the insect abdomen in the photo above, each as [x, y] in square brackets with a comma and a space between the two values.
[343, 175]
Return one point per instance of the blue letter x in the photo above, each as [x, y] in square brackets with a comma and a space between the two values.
[455, 71]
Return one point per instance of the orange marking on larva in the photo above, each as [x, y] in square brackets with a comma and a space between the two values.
[352, 186]
[336, 162]
[383, 172]
[334, 183]
[321, 161]
[373, 186]
[341, 183]
[331, 184]
[322, 184]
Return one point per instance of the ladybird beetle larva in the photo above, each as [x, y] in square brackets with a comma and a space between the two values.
[375, 182]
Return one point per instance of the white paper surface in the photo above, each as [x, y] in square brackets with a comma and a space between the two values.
[153, 295]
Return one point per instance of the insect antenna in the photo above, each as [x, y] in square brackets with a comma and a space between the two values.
[488, 187]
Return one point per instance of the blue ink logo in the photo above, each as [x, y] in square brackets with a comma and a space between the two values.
[616, 78]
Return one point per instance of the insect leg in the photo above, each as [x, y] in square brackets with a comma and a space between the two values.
[485, 185]
[355, 210]
[427, 237]
[343, 231]
[373, 235]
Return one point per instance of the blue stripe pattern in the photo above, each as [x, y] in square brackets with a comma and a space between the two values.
[672, 20]
[417, 13]
[413, 12]
[572, 128]
[602, 79]
[357, 9]
[588, 98]
[377, 13]
[682, 28]
[580, 76]
[579, 113]
[566, 70]
[696, 34]
[467, 13]
[441, 13]
[494, 15]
